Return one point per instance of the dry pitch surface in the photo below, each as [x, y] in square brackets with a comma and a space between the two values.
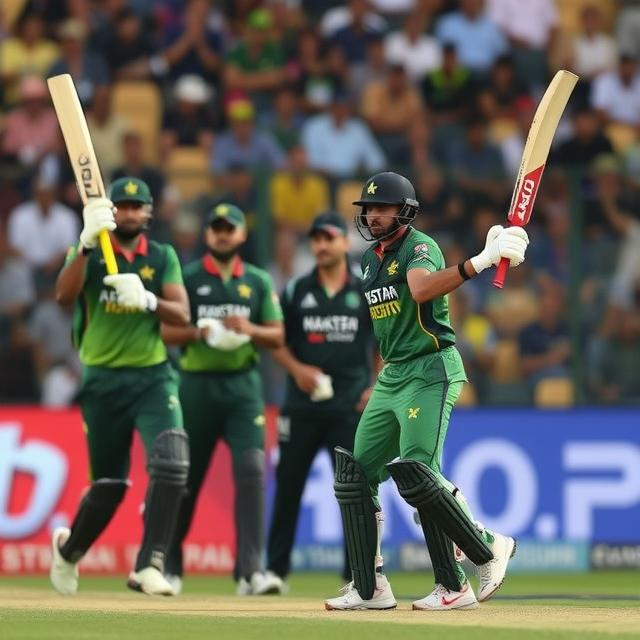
[30, 610]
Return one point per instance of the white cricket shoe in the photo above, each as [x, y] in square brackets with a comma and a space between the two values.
[492, 573]
[265, 583]
[150, 581]
[175, 581]
[281, 586]
[63, 574]
[261, 583]
[441, 599]
[243, 588]
[383, 597]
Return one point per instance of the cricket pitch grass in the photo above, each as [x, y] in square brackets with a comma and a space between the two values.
[583, 606]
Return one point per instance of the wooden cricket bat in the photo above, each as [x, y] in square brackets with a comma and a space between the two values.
[80, 149]
[534, 157]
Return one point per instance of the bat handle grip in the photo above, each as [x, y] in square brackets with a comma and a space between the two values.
[501, 273]
[107, 253]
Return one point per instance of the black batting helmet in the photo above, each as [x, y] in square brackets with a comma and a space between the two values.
[387, 188]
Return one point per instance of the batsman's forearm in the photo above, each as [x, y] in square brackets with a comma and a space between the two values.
[178, 336]
[71, 281]
[173, 312]
[428, 285]
[268, 336]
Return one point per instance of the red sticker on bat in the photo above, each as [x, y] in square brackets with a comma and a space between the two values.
[523, 200]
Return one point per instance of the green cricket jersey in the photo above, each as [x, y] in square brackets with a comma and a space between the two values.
[106, 334]
[247, 293]
[403, 328]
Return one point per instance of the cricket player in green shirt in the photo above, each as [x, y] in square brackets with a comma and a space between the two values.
[234, 310]
[127, 381]
[404, 425]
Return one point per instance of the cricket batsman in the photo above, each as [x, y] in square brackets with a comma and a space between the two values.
[404, 425]
[127, 381]
[235, 310]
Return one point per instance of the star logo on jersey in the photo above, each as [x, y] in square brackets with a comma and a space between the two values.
[147, 272]
[244, 291]
[259, 421]
[371, 189]
[413, 413]
[392, 269]
[203, 290]
[131, 188]
[173, 402]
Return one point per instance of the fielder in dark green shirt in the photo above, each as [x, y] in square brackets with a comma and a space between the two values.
[234, 311]
[127, 382]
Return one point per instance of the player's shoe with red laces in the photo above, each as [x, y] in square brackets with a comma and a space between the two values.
[63, 574]
[383, 597]
[441, 599]
[492, 573]
[150, 581]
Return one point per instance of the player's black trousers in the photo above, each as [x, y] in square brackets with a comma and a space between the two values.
[301, 436]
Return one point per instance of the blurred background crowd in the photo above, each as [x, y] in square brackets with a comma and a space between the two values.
[284, 106]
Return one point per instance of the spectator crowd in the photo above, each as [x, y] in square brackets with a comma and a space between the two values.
[282, 107]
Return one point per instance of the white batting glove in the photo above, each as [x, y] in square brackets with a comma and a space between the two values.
[231, 340]
[501, 243]
[214, 329]
[131, 292]
[513, 243]
[97, 215]
[218, 337]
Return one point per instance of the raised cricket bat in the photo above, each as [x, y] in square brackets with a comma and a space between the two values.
[80, 150]
[544, 125]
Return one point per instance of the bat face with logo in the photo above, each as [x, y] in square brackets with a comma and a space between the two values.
[80, 149]
[534, 157]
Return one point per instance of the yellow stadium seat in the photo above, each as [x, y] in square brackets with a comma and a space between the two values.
[501, 128]
[140, 104]
[11, 9]
[506, 364]
[554, 393]
[187, 169]
[346, 193]
[569, 13]
[468, 396]
[622, 136]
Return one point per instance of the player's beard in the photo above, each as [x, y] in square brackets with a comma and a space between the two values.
[380, 234]
[126, 234]
[225, 256]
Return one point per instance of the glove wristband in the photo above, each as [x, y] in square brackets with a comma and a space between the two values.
[463, 274]
[478, 262]
[152, 301]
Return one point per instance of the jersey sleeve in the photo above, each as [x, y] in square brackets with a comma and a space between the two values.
[72, 252]
[271, 311]
[422, 255]
[172, 271]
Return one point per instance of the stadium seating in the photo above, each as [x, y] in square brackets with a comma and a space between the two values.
[187, 169]
[554, 392]
[140, 103]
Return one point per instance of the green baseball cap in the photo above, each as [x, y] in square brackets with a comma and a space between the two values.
[130, 190]
[229, 212]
